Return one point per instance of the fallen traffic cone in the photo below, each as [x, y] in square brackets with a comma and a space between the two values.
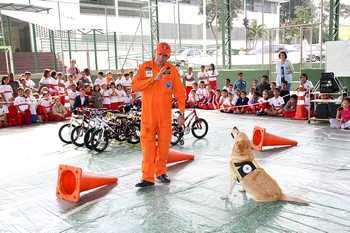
[72, 180]
[301, 112]
[178, 156]
[261, 138]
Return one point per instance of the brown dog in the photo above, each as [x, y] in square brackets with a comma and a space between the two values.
[251, 176]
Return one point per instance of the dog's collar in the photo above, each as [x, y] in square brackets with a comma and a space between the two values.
[244, 168]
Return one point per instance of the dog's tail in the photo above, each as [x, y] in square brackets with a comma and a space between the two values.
[294, 200]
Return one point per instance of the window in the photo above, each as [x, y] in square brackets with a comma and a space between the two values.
[256, 6]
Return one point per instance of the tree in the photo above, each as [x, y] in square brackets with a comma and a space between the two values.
[255, 33]
[303, 14]
[214, 11]
[289, 9]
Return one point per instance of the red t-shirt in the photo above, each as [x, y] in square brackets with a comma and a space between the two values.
[345, 114]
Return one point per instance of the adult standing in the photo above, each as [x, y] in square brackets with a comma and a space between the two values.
[158, 81]
[284, 70]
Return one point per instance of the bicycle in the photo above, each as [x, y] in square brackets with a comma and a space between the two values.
[65, 131]
[121, 127]
[88, 122]
[197, 126]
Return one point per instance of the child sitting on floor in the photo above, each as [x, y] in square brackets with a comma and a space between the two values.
[253, 102]
[276, 103]
[243, 102]
[3, 113]
[342, 120]
[58, 110]
[285, 94]
[215, 104]
[290, 108]
[192, 99]
[263, 103]
[225, 101]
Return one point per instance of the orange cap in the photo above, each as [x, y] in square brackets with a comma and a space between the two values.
[163, 48]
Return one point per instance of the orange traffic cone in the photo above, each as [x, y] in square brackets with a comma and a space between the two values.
[71, 181]
[261, 138]
[301, 112]
[178, 156]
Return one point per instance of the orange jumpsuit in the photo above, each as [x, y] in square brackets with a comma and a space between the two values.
[156, 115]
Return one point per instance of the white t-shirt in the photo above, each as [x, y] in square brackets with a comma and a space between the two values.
[106, 96]
[234, 100]
[69, 83]
[22, 103]
[53, 85]
[125, 82]
[203, 76]
[226, 101]
[189, 82]
[7, 91]
[212, 75]
[45, 81]
[61, 86]
[127, 99]
[72, 95]
[308, 85]
[46, 102]
[118, 81]
[276, 102]
[99, 81]
[202, 93]
[192, 98]
[30, 83]
[33, 104]
[119, 97]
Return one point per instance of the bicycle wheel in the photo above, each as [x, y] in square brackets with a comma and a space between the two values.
[64, 133]
[176, 134]
[134, 135]
[77, 135]
[199, 128]
[88, 138]
[99, 140]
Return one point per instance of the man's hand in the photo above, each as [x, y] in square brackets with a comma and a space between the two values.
[161, 72]
[181, 119]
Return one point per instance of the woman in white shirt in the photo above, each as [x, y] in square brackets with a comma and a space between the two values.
[284, 70]
[212, 76]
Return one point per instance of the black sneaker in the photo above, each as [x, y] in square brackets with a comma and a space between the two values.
[163, 179]
[144, 184]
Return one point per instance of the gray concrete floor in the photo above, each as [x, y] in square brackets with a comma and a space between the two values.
[317, 170]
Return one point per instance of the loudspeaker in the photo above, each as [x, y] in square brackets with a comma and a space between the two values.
[328, 83]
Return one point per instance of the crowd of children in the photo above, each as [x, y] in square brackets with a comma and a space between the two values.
[57, 95]
[263, 98]
[23, 102]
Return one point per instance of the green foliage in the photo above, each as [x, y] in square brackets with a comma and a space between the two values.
[303, 15]
[255, 32]
[215, 10]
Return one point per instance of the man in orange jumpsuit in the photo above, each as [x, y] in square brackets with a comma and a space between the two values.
[158, 81]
